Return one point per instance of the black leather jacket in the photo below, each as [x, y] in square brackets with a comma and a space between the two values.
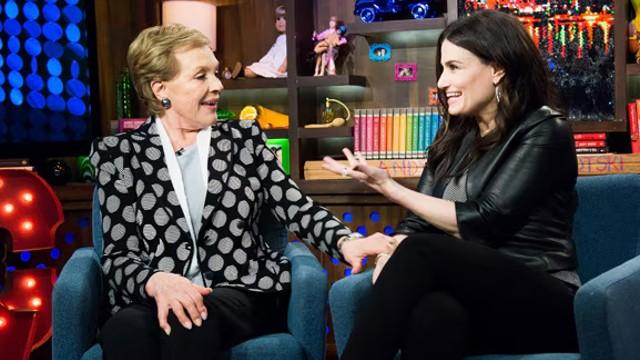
[521, 195]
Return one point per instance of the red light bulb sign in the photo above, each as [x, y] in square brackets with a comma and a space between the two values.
[30, 213]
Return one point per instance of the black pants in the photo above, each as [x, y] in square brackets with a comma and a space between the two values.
[443, 298]
[233, 316]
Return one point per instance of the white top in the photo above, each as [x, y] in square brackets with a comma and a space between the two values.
[203, 142]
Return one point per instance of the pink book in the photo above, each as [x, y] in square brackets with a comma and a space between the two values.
[376, 134]
[383, 135]
[356, 131]
[368, 149]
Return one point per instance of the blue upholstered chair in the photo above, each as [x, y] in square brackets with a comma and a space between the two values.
[607, 306]
[78, 298]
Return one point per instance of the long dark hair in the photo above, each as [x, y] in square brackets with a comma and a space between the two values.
[500, 40]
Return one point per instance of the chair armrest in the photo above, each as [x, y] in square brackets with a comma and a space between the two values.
[77, 297]
[306, 316]
[345, 297]
[607, 312]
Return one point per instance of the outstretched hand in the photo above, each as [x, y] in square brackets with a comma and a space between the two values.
[359, 169]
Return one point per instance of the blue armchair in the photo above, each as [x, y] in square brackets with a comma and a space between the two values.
[607, 236]
[79, 291]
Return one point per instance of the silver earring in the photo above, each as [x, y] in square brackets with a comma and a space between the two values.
[166, 103]
[498, 94]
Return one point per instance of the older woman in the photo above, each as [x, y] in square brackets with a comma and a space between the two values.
[486, 262]
[188, 273]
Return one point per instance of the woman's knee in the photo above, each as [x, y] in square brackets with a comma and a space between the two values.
[438, 329]
[439, 309]
[130, 321]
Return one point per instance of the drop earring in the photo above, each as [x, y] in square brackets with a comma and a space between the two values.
[498, 94]
[166, 103]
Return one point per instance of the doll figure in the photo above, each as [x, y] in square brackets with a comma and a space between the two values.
[634, 27]
[226, 73]
[326, 48]
[274, 63]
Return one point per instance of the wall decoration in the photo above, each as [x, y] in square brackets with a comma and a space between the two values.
[577, 41]
[47, 78]
[406, 71]
[380, 52]
[30, 214]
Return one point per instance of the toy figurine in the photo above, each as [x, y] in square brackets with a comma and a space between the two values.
[226, 73]
[274, 63]
[326, 48]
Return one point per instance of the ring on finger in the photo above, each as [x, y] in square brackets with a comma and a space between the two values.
[344, 171]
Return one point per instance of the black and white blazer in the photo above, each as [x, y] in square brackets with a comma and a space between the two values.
[145, 230]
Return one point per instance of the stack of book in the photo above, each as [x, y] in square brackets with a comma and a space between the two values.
[395, 133]
[591, 143]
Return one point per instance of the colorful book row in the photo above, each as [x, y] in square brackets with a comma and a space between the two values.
[395, 133]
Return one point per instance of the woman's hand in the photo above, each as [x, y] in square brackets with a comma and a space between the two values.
[175, 292]
[382, 258]
[357, 249]
[374, 177]
[381, 261]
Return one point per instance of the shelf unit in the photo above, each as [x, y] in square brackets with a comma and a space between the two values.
[401, 33]
[304, 93]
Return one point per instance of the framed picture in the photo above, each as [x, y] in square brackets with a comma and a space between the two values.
[578, 50]
[281, 148]
[380, 52]
[406, 71]
[432, 98]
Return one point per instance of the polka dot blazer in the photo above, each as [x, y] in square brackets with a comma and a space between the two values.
[145, 230]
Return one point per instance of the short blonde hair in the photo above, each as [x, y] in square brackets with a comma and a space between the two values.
[151, 56]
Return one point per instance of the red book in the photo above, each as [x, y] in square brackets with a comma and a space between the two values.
[632, 116]
[590, 136]
[590, 143]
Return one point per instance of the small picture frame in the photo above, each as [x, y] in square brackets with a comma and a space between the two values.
[432, 98]
[406, 71]
[380, 52]
[280, 147]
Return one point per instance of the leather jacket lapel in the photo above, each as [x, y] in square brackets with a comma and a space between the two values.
[482, 170]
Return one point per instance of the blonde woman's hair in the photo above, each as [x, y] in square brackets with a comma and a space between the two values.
[151, 56]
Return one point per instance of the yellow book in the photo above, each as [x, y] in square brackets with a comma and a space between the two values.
[402, 144]
[396, 134]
